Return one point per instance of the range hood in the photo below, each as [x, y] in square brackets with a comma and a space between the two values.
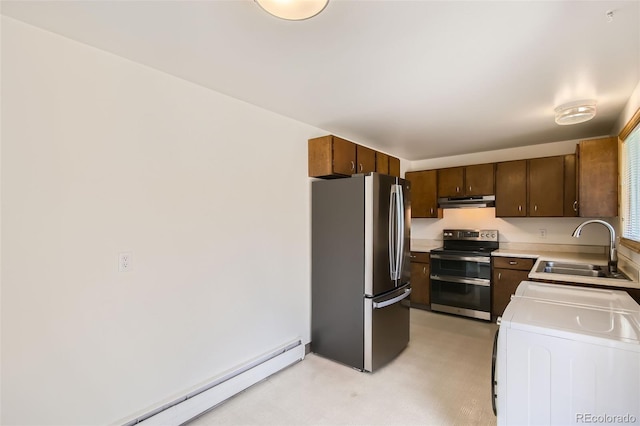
[466, 202]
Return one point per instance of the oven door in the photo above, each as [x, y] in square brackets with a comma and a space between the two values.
[455, 265]
[462, 296]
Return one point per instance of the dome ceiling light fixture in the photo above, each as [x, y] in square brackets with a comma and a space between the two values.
[575, 112]
[293, 10]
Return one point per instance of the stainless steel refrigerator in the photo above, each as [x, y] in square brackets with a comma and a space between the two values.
[360, 237]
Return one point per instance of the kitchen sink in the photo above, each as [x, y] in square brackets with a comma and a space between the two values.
[585, 266]
[570, 271]
[579, 269]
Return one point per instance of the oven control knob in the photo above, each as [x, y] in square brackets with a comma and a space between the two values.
[482, 235]
[493, 235]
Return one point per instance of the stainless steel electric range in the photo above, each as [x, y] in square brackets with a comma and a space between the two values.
[461, 272]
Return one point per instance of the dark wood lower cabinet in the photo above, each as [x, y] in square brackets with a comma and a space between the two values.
[420, 282]
[505, 283]
[508, 273]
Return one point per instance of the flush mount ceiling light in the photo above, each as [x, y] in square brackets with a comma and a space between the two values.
[575, 112]
[293, 10]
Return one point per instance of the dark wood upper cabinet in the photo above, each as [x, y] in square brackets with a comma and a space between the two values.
[366, 159]
[479, 179]
[597, 164]
[546, 186]
[424, 199]
[387, 164]
[331, 156]
[466, 181]
[511, 188]
[451, 182]
[570, 184]
[394, 166]
[382, 163]
[584, 184]
[334, 157]
[532, 187]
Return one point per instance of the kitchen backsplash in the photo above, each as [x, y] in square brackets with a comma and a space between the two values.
[514, 230]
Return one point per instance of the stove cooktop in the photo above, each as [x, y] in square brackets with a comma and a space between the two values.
[478, 252]
[480, 241]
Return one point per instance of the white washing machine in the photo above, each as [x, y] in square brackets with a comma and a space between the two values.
[567, 355]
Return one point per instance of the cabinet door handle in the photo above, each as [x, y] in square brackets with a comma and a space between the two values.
[361, 167]
[457, 189]
[513, 262]
[353, 166]
[519, 208]
[535, 208]
[469, 188]
[432, 211]
[499, 275]
[424, 270]
[575, 206]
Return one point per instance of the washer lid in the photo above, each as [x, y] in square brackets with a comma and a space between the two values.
[609, 327]
[584, 296]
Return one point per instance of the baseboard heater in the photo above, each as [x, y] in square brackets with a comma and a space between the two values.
[206, 397]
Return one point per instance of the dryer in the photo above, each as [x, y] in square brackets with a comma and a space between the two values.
[567, 355]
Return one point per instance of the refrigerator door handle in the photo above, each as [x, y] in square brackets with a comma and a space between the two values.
[400, 231]
[378, 305]
[392, 241]
[396, 231]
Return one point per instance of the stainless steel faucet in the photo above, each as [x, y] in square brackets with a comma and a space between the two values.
[613, 253]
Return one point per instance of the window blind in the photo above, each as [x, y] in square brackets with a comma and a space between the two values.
[631, 181]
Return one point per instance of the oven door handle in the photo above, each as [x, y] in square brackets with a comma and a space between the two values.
[475, 281]
[479, 259]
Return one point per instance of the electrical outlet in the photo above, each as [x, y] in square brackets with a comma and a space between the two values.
[542, 233]
[125, 261]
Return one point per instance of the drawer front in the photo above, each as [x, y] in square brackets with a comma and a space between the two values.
[522, 264]
[420, 256]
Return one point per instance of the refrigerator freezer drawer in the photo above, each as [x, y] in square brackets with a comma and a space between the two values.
[386, 327]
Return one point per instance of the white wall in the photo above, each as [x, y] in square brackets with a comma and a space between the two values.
[102, 155]
[629, 110]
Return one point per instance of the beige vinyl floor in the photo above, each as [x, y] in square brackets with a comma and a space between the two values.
[442, 378]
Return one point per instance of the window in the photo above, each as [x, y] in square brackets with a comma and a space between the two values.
[630, 183]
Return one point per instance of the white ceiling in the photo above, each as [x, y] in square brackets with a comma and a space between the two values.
[417, 79]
